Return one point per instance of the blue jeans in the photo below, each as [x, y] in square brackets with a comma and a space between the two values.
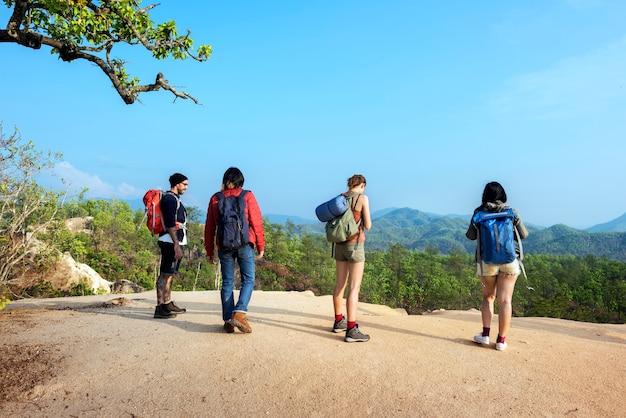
[245, 259]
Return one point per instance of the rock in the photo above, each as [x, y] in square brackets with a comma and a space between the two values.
[126, 286]
[68, 272]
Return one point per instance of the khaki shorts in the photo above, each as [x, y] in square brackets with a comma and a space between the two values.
[495, 269]
[346, 251]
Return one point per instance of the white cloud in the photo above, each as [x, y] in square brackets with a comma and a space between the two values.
[77, 180]
[583, 85]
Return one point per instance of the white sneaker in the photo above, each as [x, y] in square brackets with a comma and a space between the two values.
[481, 340]
[501, 346]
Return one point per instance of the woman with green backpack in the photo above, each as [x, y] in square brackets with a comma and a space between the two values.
[350, 262]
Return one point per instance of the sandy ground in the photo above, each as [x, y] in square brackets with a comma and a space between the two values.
[102, 356]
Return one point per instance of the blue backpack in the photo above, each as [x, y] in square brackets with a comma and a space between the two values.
[496, 236]
[232, 223]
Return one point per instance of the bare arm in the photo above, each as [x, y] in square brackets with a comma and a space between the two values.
[178, 252]
[365, 212]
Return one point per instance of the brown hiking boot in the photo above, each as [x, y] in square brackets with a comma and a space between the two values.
[239, 320]
[228, 327]
[170, 306]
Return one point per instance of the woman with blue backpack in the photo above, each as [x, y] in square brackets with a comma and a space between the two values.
[497, 228]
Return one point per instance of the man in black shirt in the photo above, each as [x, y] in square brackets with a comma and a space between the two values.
[170, 242]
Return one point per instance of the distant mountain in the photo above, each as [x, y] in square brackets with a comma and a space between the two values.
[419, 230]
[616, 225]
[382, 212]
[282, 219]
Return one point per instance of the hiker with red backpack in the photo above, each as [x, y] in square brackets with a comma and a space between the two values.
[171, 238]
[234, 226]
[498, 230]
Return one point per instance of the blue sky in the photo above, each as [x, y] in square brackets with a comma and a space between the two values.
[429, 100]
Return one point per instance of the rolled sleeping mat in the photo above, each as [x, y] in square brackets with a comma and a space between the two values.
[335, 207]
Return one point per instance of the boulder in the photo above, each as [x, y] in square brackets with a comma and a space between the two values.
[126, 286]
[68, 272]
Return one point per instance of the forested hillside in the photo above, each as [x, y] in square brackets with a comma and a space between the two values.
[417, 230]
[563, 240]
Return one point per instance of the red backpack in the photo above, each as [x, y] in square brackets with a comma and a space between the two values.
[155, 221]
[152, 202]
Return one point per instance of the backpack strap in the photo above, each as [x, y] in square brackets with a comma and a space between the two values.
[358, 235]
[220, 198]
[479, 258]
[179, 225]
[220, 195]
[520, 257]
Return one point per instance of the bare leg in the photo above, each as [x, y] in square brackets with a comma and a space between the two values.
[340, 286]
[505, 285]
[489, 296]
[356, 276]
[164, 288]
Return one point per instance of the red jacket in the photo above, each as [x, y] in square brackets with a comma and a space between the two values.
[255, 222]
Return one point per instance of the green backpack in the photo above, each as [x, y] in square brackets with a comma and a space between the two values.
[343, 227]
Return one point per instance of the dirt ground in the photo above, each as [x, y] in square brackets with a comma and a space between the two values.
[98, 356]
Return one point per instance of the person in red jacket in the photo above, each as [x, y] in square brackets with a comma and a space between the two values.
[234, 315]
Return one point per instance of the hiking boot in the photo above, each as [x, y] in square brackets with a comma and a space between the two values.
[501, 346]
[162, 312]
[170, 306]
[239, 320]
[229, 328]
[354, 335]
[341, 325]
[480, 339]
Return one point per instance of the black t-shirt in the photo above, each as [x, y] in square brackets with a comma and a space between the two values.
[173, 212]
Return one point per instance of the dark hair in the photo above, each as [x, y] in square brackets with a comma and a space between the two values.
[177, 178]
[233, 178]
[356, 180]
[493, 192]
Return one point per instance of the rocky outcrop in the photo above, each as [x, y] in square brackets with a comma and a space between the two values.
[67, 272]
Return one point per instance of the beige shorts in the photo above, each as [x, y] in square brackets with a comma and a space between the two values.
[346, 251]
[495, 269]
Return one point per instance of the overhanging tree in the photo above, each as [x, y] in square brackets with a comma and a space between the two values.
[89, 30]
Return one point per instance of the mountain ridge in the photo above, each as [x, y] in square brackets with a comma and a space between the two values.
[616, 225]
[420, 230]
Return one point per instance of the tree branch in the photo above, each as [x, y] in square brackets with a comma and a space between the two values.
[100, 32]
[162, 83]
